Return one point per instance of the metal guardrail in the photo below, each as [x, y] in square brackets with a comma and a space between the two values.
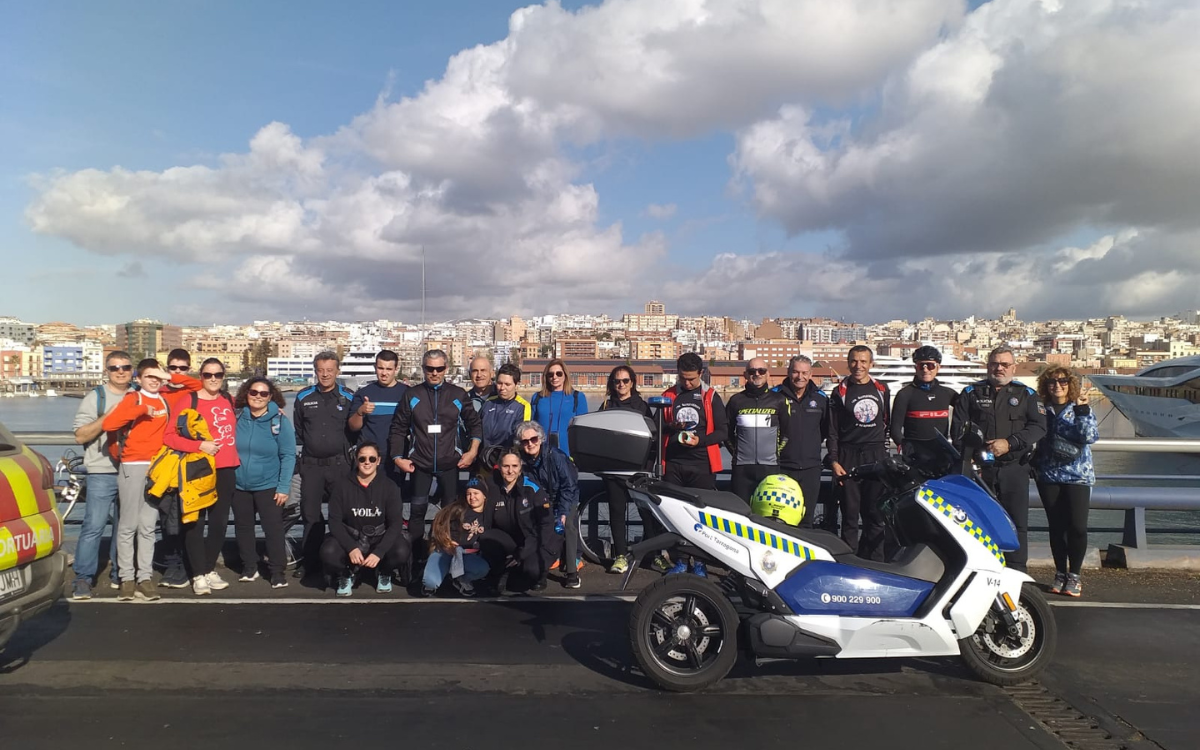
[1134, 501]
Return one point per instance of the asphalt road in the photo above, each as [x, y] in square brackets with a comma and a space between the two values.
[542, 674]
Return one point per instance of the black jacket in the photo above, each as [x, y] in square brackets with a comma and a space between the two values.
[633, 403]
[320, 419]
[858, 417]
[758, 426]
[430, 418]
[520, 513]
[808, 427]
[1012, 412]
[370, 518]
[921, 410]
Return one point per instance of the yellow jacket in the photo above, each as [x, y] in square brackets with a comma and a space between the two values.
[192, 475]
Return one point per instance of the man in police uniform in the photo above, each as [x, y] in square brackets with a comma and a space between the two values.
[320, 416]
[1012, 419]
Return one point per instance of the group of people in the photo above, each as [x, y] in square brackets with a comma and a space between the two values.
[364, 455]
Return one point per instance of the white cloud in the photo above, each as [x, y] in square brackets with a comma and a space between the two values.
[661, 210]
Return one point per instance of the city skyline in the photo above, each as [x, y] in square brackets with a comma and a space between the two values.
[900, 159]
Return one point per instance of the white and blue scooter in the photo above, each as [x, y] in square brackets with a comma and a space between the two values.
[793, 593]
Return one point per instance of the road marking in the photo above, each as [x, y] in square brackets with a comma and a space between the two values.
[571, 599]
[1123, 605]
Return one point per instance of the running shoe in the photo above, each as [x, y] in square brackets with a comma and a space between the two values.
[572, 581]
[384, 583]
[620, 564]
[661, 563]
[216, 582]
[345, 585]
[464, 587]
[1074, 586]
[126, 593]
[146, 592]
[698, 569]
[81, 590]
[679, 567]
[175, 578]
[1060, 580]
[279, 581]
[540, 585]
[249, 575]
[200, 586]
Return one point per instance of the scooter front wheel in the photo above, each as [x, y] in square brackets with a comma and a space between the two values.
[684, 633]
[1009, 657]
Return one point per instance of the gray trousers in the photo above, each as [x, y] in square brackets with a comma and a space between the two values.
[135, 524]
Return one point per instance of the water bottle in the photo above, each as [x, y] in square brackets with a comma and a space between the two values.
[558, 526]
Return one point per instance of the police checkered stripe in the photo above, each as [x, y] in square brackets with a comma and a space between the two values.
[787, 498]
[755, 534]
[948, 510]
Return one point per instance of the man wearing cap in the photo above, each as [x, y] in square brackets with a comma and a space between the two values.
[921, 408]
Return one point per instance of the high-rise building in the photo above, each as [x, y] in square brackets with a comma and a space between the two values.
[147, 338]
[14, 330]
[654, 307]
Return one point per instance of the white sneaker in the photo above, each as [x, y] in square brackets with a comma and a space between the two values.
[216, 582]
[200, 586]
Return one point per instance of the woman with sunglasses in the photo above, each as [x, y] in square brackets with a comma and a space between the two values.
[214, 405]
[557, 403]
[266, 444]
[622, 393]
[1065, 475]
[366, 526]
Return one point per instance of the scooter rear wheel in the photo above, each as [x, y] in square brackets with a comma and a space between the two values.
[684, 633]
[1004, 658]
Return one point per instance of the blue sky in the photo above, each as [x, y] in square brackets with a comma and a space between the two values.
[810, 213]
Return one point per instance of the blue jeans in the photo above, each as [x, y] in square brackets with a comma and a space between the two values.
[437, 567]
[101, 500]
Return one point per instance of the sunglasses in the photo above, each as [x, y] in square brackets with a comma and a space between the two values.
[431, 368]
[1060, 381]
[259, 394]
[120, 368]
[557, 374]
[368, 459]
[1002, 365]
[927, 365]
[177, 368]
[531, 440]
[622, 381]
[212, 375]
[756, 371]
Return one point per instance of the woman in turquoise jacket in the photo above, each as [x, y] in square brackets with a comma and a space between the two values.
[266, 444]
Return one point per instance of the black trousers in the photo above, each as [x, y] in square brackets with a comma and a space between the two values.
[810, 485]
[497, 546]
[336, 558]
[863, 498]
[316, 483]
[1067, 507]
[618, 508]
[422, 481]
[247, 504]
[203, 538]
[1010, 482]
[695, 474]
[743, 480]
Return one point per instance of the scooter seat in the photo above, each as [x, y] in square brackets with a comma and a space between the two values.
[726, 501]
[917, 561]
[832, 543]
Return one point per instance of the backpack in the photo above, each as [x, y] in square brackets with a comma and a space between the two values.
[116, 448]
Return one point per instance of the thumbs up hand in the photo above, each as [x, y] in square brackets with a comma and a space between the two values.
[366, 408]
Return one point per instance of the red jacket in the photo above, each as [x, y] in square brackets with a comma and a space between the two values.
[714, 451]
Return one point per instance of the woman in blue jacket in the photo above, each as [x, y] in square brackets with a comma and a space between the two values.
[266, 444]
[557, 403]
[1063, 466]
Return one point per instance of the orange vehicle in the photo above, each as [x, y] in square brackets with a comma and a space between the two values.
[32, 564]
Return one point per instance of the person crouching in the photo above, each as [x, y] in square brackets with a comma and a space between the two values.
[457, 529]
[366, 525]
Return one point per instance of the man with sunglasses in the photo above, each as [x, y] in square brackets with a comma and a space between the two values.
[321, 416]
[921, 408]
[101, 472]
[424, 441]
[758, 428]
[1012, 419]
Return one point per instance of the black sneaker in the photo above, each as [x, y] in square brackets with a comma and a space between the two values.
[464, 587]
[279, 581]
[541, 585]
[572, 581]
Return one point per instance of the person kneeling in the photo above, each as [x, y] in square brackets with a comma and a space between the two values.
[457, 529]
[366, 525]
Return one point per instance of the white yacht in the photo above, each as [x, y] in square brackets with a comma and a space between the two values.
[897, 372]
[1162, 400]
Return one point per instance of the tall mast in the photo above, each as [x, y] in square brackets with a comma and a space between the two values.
[422, 292]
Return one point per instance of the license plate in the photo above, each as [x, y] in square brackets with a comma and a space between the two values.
[12, 582]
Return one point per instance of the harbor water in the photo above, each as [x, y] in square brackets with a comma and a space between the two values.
[57, 414]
